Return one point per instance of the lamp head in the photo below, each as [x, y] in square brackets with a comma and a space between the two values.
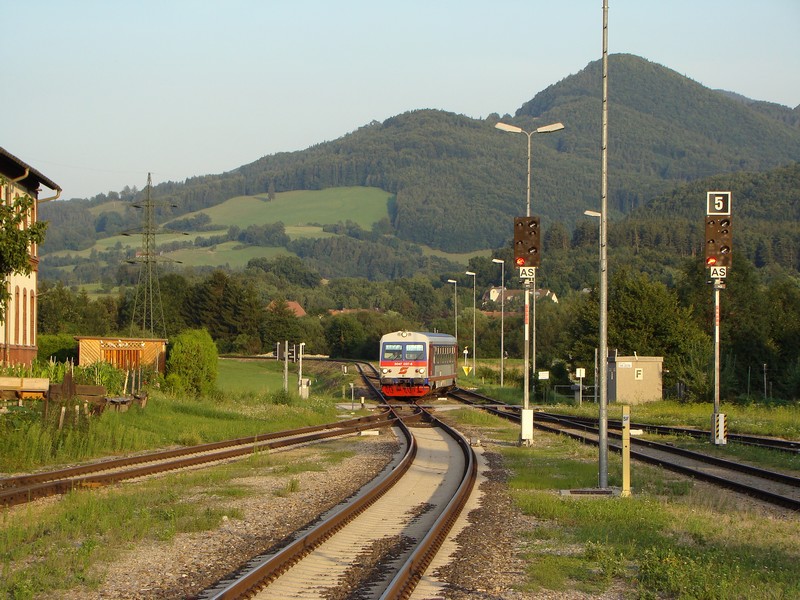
[507, 127]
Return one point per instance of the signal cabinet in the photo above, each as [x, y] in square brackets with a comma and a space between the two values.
[635, 379]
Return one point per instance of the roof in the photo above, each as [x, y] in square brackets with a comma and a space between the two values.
[291, 305]
[13, 168]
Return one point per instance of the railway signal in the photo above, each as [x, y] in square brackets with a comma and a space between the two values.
[718, 241]
[527, 242]
[718, 260]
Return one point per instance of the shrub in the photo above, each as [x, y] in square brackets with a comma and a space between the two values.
[62, 347]
[192, 363]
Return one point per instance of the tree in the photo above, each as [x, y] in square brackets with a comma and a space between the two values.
[644, 317]
[279, 325]
[345, 336]
[192, 363]
[16, 237]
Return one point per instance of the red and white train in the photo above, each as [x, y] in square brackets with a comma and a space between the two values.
[413, 364]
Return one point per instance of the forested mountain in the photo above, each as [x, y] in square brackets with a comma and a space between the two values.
[457, 181]
[454, 184]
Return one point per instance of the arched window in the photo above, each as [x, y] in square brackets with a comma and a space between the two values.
[24, 317]
[16, 315]
[32, 300]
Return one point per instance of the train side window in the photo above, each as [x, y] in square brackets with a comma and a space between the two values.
[415, 351]
[392, 351]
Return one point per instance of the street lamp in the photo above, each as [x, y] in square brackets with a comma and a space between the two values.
[455, 308]
[502, 263]
[544, 129]
[527, 285]
[603, 344]
[474, 347]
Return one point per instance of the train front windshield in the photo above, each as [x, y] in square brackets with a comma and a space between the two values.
[403, 351]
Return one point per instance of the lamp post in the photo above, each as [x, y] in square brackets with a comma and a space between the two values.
[474, 347]
[527, 286]
[455, 308]
[502, 263]
[602, 436]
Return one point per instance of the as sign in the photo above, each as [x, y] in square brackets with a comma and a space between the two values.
[527, 272]
[718, 272]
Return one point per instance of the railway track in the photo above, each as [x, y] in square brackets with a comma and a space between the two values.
[771, 486]
[791, 446]
[26, 488]
[381, 541]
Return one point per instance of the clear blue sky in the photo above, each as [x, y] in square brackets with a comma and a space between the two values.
[99, 93]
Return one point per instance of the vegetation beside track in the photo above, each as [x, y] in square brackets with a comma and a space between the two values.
[770, 419]
[56, 545]
[51, 546]
[673, 538]
[29, 441]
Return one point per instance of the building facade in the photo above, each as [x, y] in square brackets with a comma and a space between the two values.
[18, 327]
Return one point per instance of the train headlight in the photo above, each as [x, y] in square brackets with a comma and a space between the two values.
[421, 371]
[384, 370]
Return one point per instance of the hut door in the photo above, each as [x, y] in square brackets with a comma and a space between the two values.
[123, 358]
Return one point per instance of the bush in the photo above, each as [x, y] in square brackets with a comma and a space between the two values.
[192, 363]
[61, 347]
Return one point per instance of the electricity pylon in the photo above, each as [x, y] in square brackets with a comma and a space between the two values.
[148, 312]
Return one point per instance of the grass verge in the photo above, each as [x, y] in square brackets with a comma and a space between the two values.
[30, 443]
[52, 546]
[673, 538]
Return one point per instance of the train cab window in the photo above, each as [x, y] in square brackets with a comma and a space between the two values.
[392, 352]
[415, 352]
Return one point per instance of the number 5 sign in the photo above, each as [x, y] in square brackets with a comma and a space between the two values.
[718, 203]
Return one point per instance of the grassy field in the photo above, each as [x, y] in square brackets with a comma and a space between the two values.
[232, 254]
[250, 400]
[250, 376]
[362, 205]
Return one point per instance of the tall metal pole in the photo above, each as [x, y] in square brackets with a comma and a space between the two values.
[474, 309]
[455, 308]
[717, 286]
[526, 353]
[531, 381]
[502, 264]
[474, 338]
[603, 420]
[527, 295]
[502, 322]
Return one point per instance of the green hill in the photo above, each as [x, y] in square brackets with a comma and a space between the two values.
[452, 183]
